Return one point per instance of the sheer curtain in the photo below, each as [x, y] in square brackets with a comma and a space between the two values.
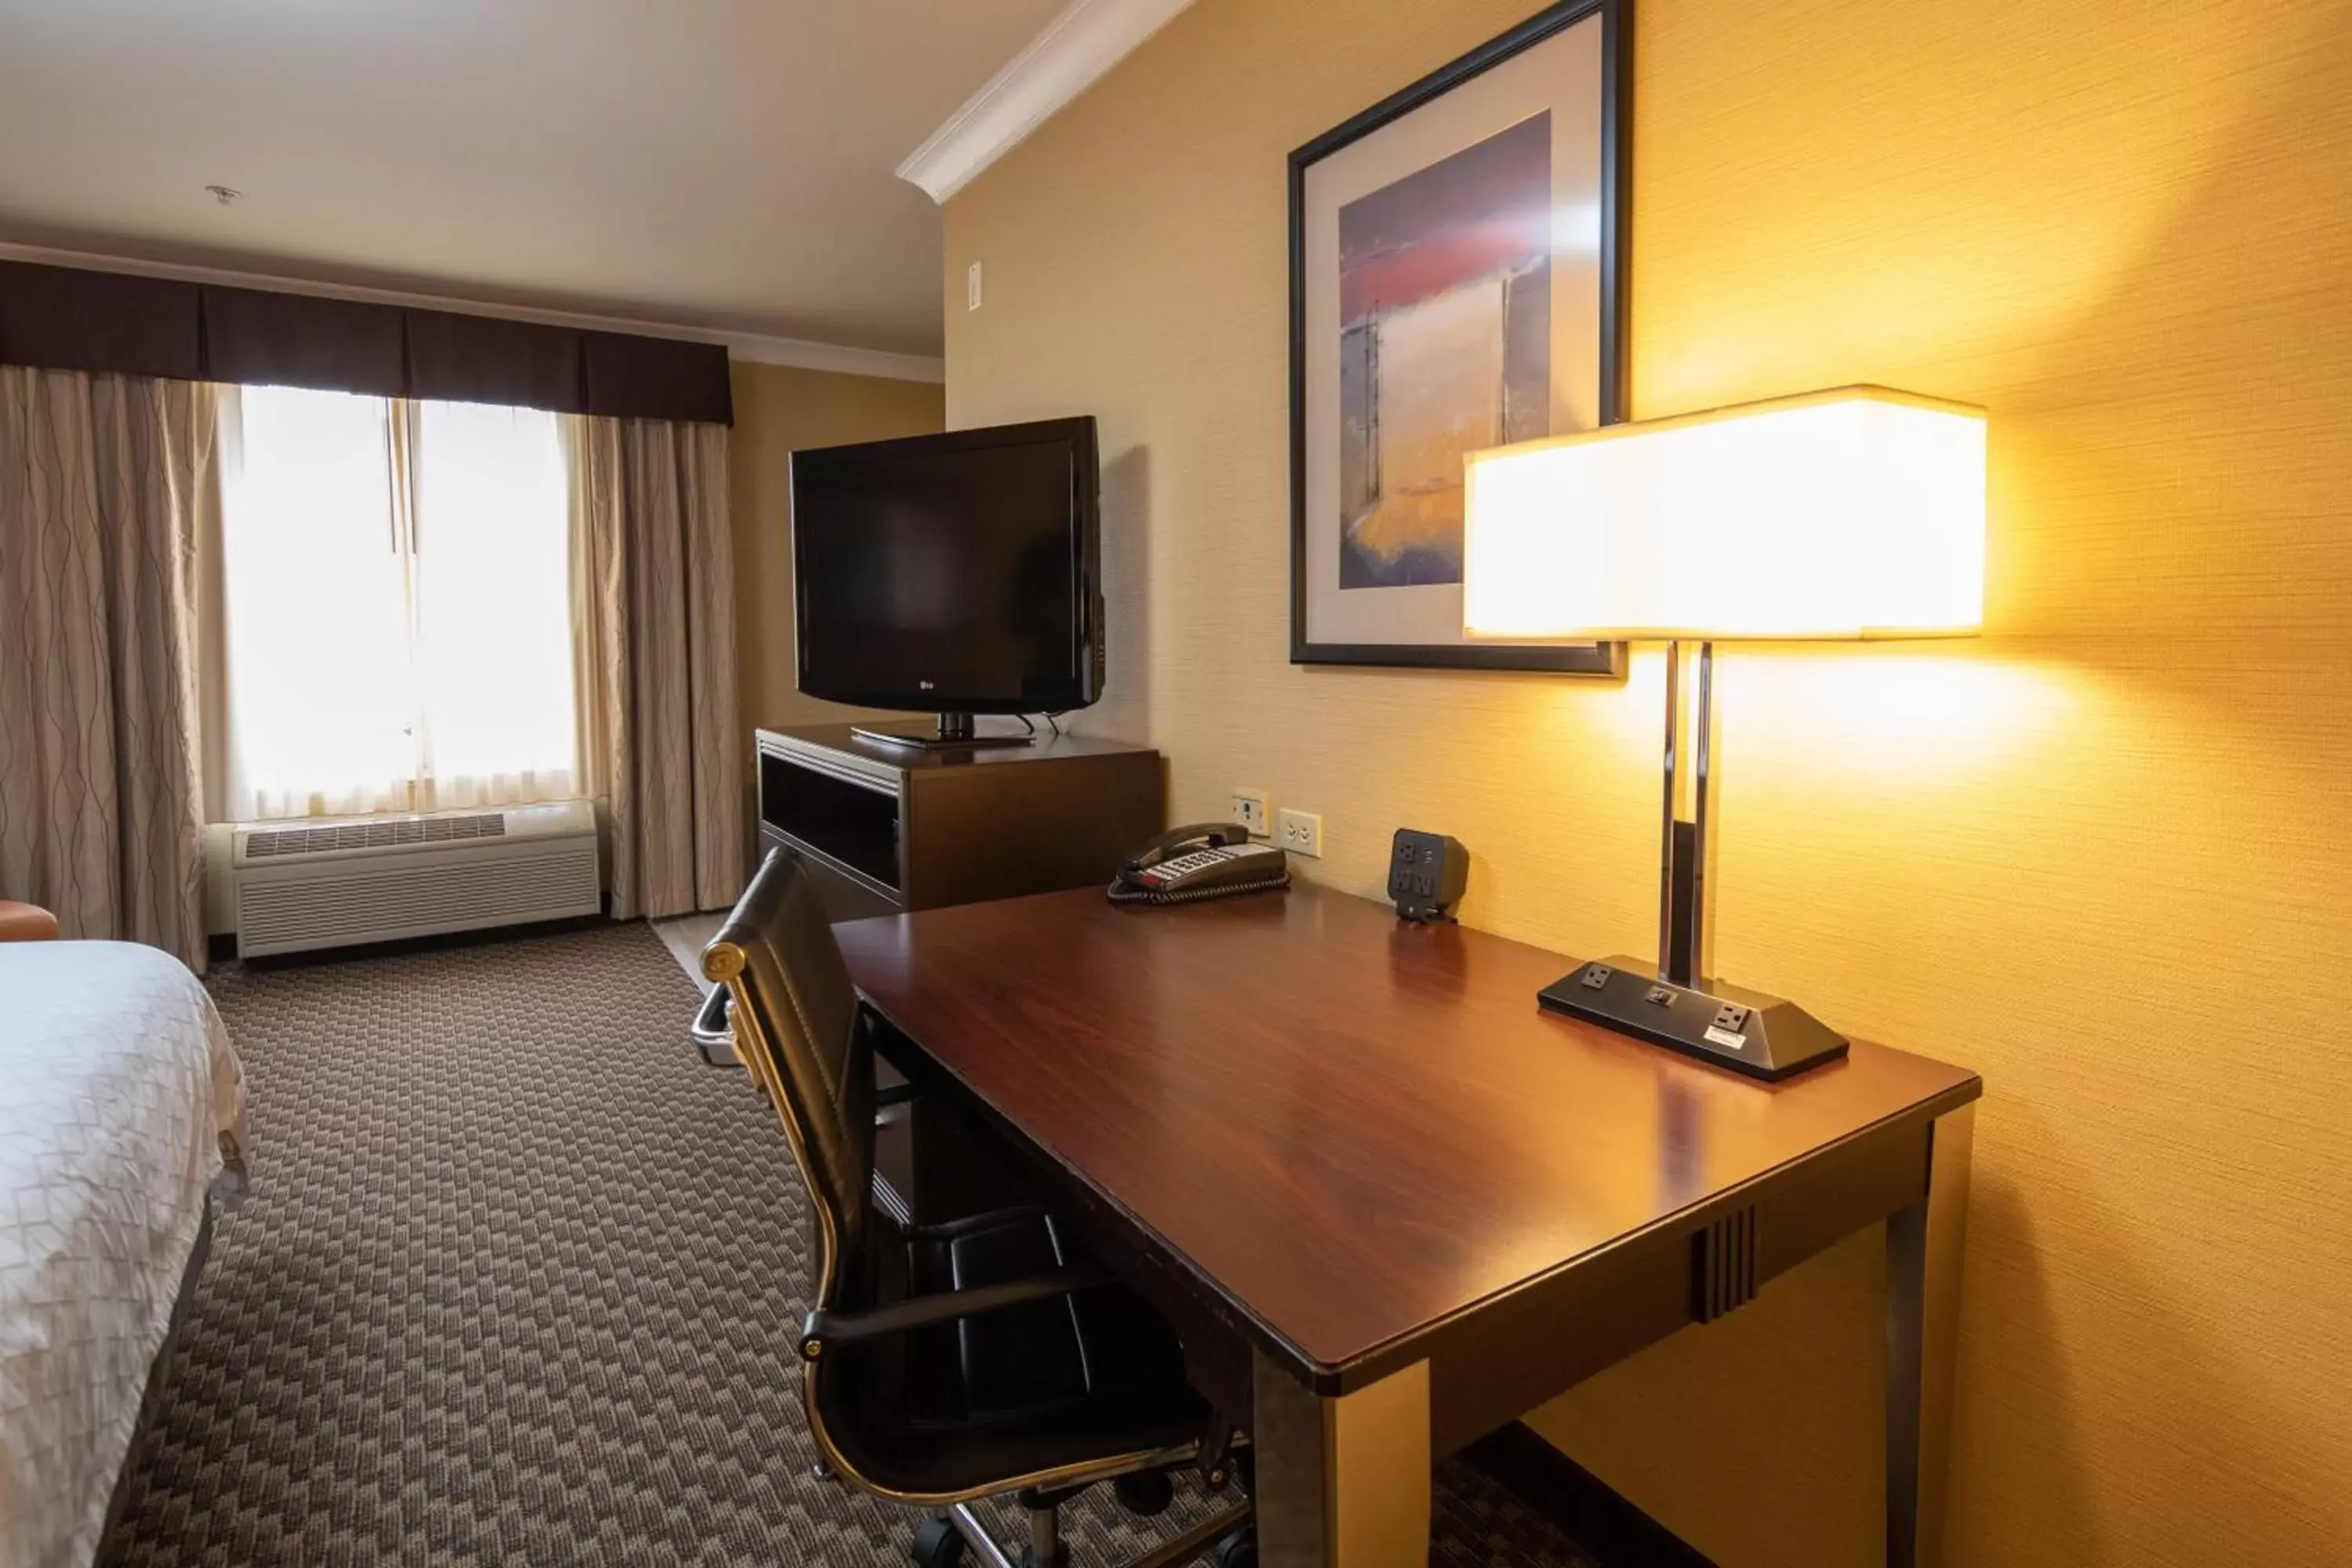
[493, 604]
[396, 589]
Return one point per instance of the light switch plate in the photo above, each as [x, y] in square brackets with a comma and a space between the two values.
[1301, 832]
[972, 286]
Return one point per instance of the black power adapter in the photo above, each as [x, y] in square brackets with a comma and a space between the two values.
[1427, 872]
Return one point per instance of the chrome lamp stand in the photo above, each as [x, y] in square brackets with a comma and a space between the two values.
[1673, 1002]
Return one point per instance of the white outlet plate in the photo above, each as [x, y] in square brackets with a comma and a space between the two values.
[1250, 811]
[1301, 832]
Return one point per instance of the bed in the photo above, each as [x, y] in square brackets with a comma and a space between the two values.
[120, 1123]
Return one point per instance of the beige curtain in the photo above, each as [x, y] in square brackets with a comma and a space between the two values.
[655, 637]
[99, 484]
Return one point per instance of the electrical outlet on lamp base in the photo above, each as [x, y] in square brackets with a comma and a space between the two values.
[1749, 1032]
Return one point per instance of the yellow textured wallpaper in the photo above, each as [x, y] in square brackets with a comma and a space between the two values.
[778, 410]
[2098, 854]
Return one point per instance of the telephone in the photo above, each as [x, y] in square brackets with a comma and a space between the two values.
[1205, 860]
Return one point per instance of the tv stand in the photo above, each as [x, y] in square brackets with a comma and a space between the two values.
[890, 828]
[953, 730]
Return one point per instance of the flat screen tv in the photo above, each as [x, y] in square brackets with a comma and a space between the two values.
[954, 574]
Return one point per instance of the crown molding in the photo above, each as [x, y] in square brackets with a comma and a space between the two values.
[1075, 49]
[759, 348]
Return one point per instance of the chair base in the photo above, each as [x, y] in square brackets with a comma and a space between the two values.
[942, 1540]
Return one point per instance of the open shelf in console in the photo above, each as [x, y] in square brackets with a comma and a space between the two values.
[890, 828]
[845, 817]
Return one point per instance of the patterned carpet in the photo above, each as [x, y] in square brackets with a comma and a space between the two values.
[518, 1281]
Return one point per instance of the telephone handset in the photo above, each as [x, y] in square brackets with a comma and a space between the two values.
[1205, 860]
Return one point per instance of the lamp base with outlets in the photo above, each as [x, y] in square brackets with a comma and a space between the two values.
[1763, 1037]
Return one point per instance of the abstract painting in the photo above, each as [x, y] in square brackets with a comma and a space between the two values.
[1444, 347]
[1455, 285]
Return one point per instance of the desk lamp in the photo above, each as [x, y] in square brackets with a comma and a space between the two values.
[1850, 514]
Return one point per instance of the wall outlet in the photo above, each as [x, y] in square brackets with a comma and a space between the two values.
[1302, 832]
[1250, 810]
[972, 286]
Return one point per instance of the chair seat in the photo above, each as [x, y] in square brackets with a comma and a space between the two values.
[989, 1400]
[26, 922]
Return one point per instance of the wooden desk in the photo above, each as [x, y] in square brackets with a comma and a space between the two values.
[1389, 1203]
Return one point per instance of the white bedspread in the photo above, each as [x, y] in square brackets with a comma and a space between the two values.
[119, 1099]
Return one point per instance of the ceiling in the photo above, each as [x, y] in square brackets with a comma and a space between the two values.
[724, 165]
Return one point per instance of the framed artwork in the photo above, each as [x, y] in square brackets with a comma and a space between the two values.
[1457, 281]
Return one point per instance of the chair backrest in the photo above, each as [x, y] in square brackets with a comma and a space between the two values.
[797, 1028]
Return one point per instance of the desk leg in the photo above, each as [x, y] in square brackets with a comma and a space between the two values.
[1923, 1309]
[1342, 1483]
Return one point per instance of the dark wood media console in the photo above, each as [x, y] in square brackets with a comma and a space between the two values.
[888, 829]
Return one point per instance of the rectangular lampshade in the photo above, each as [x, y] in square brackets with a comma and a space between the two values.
[1853, 513]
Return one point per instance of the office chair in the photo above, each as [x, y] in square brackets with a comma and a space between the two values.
[944, 1364]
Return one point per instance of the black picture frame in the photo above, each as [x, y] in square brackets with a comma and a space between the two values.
[1605, 658]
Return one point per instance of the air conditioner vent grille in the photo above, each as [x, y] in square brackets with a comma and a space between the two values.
[390, 901]
[332, 884]
[282, 842]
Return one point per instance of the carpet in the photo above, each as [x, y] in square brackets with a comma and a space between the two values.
[518, 1281]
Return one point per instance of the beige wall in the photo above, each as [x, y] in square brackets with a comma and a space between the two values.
[2097, 854]
[778, 410]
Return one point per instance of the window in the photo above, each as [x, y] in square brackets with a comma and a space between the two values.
[397, 588]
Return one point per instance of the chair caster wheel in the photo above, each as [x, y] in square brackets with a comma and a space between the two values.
[939, 1544]
[1238, 1549]
[1144, 1492]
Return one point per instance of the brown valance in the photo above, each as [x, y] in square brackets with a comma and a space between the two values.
[259, 338]
[61, 317]
[631, 377]
[58, 318]
[476, 359]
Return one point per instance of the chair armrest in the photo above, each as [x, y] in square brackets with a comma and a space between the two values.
[826, 1330]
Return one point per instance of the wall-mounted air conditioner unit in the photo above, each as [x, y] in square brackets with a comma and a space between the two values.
[306, 884]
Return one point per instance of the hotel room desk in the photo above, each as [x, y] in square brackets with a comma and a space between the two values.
[1390, 1203]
